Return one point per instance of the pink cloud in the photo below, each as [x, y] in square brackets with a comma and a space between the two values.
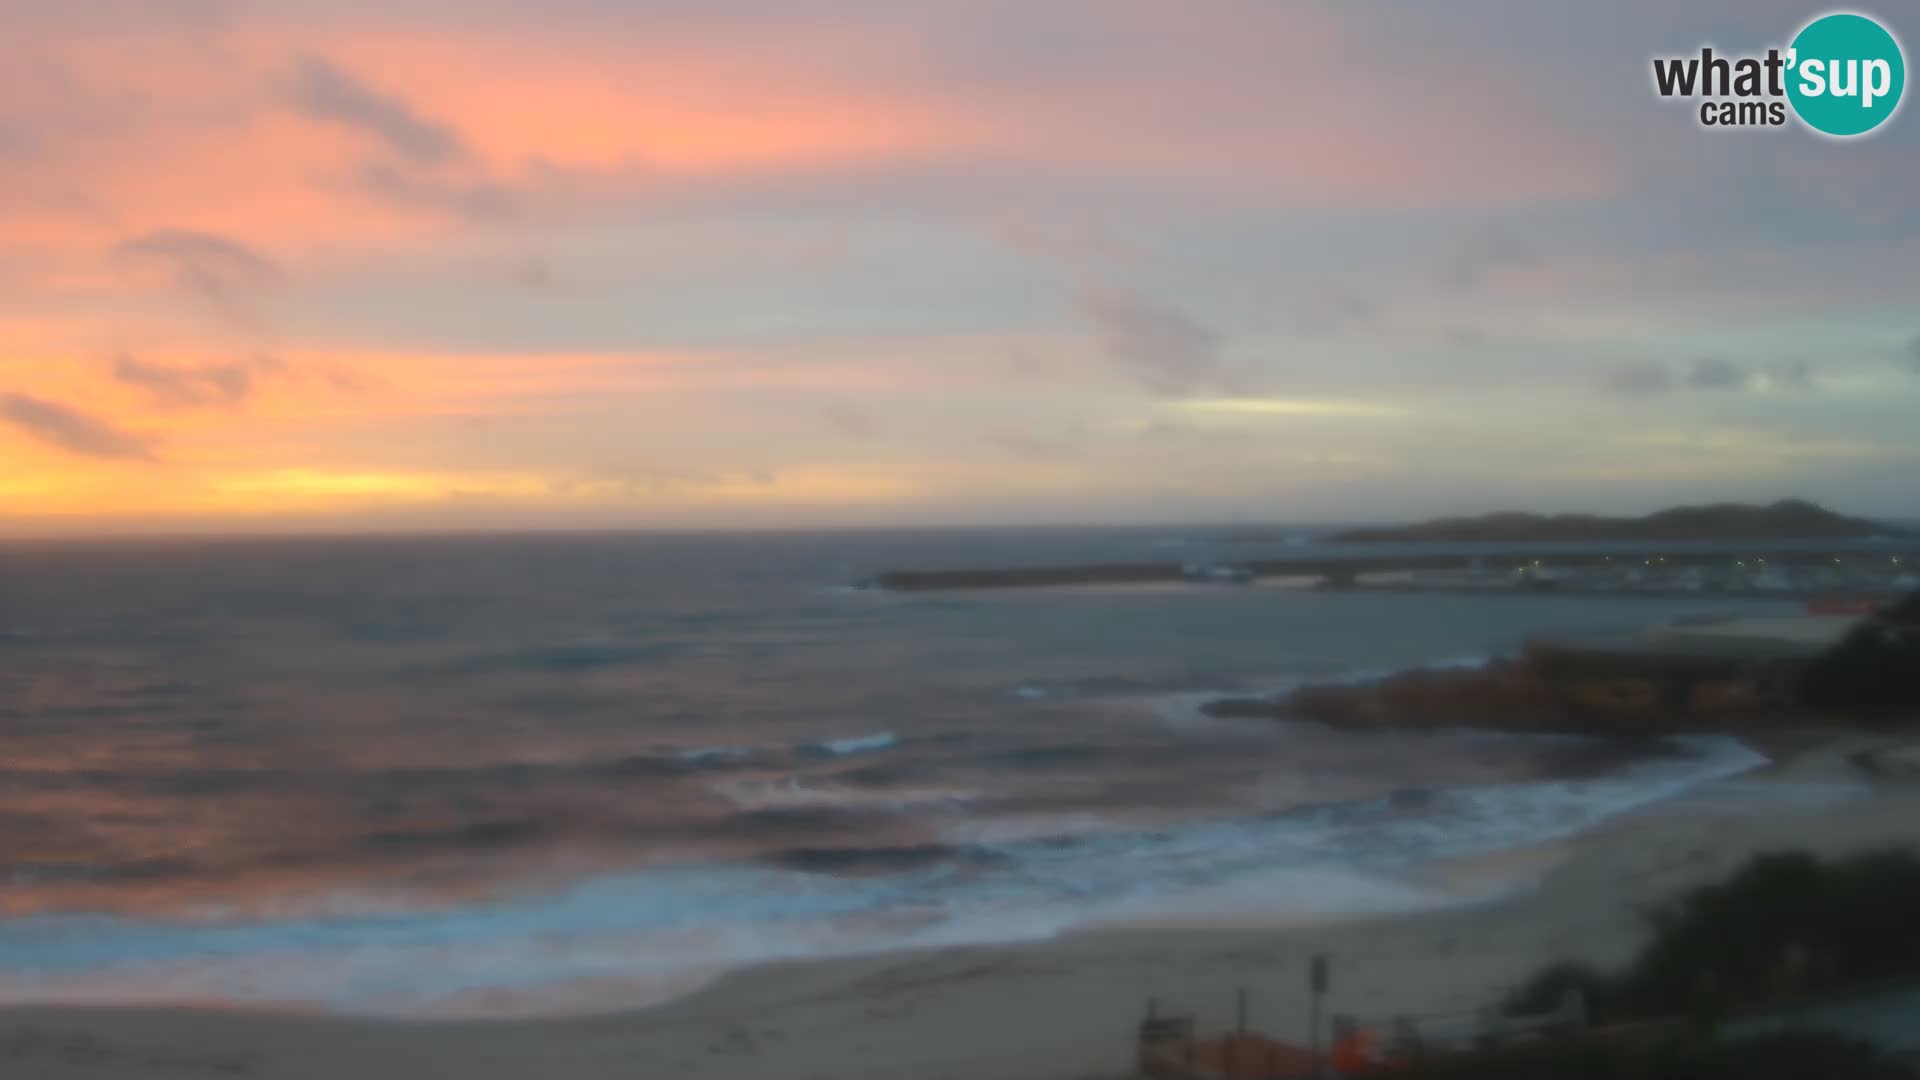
[319, 131]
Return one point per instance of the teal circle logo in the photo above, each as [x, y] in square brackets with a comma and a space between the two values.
[1845, 74]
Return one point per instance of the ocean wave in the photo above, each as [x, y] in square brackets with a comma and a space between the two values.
[857, 744]
[580, 656]
[189, 782]
[768, 823]
[1038, 828]
[890, 772]
[792, 793]
[1364, 676]
[136, 871]
[713, 753]
[469, 836]
[664, 925]
[851, 861]
[491, 776]
[1056, 756]
[635, 940]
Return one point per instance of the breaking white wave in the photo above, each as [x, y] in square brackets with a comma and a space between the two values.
[858, 744]
[643, 936]
[715, 753]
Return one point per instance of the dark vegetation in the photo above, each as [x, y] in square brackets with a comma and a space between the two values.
[1788, 519]
[1873, 670]
[1784, 925]
[1792, 1056]
[1553, 689]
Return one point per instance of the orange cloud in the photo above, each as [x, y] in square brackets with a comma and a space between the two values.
[169, 433]
[171, 191]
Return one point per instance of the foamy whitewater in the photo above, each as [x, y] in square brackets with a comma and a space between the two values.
[513, 776]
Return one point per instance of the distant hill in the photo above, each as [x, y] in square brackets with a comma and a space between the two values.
[1789, 519]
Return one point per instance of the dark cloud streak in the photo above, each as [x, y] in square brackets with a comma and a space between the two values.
[231, 277]
[1167, 350]
[849, 420]
[1715, 373]
[206, 384]
[1708, 374]
[325, 91]
[70, 429]
[1639, 379]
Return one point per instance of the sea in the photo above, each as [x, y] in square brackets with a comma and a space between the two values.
[496, 776]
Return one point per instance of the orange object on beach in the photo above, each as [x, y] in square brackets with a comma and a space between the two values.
[1356, 1052]
[1845, 604]
[1248, 1057]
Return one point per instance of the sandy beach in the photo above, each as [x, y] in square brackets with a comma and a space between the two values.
[1066, 1007]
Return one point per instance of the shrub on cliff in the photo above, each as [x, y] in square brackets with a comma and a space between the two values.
[1784, 924]
[1874, 670]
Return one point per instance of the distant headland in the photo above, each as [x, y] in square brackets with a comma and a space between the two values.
[1788, 519]
[1791, 546]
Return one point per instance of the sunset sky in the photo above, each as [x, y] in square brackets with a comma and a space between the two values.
[336, 264]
